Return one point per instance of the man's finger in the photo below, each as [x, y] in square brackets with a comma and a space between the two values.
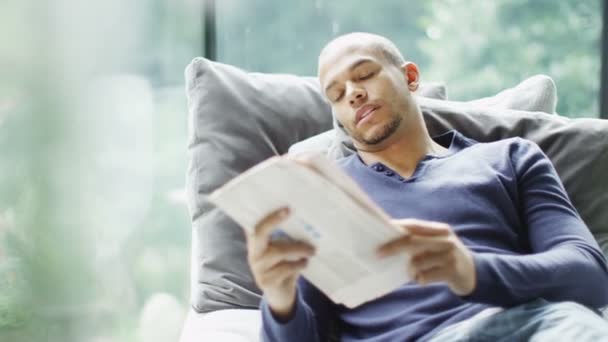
[420, 227]
[283, 270]
[425, 262]
[433, 275]
[393, 246]
[283, 251]
[266, 225]
[306, 159]
[260, 237]
[414, 245]
[429, 230]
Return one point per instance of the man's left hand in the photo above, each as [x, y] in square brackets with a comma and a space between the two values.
[437, 253]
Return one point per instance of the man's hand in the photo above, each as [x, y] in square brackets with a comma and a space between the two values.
[438, 255]
[276, 264]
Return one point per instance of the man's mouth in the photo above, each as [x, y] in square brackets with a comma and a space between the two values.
[364, 111]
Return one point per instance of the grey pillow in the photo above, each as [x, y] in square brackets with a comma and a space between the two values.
[433, 90]
[537, 94]
[236, 120]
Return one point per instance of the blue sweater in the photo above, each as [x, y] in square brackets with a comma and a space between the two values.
[506, 203]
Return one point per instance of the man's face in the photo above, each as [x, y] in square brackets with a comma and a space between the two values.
[368, 95]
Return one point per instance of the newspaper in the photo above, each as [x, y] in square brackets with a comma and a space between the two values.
[328, 211]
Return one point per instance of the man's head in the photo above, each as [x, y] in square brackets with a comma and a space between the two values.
[369, 85]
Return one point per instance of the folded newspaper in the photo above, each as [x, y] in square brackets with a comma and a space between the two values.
[328, 211]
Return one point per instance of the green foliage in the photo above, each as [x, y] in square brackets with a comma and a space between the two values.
[14, 311]
[476, 47]
[487, 46]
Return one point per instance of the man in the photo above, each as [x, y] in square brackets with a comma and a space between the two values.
[499, 252]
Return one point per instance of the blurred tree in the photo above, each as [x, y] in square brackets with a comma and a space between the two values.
[72, 161]
[476, 47]
[288, 36]
[481, 47]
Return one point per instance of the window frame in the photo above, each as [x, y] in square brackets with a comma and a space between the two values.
[604, 74]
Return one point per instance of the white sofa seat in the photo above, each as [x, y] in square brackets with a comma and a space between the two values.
[233, 325]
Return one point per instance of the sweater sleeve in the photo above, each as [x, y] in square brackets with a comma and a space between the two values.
[565, 263]
[310, 321]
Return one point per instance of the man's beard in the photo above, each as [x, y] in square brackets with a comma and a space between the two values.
[386, 132]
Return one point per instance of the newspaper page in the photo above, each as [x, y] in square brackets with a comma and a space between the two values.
[328, 211]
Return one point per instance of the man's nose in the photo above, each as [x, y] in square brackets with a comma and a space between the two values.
[356, 95]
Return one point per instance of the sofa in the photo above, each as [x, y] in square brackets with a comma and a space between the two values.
[239, 118]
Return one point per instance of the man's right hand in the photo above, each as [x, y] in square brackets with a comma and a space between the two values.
[276, 265]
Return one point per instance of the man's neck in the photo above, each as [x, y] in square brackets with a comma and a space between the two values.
[407, 148]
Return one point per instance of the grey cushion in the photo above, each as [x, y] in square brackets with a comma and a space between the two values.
[238, 119]
[433, 90]
[537, 94]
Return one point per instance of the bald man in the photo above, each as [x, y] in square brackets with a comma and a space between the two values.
[499, 252]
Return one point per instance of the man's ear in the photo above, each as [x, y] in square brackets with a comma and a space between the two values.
[411, 74]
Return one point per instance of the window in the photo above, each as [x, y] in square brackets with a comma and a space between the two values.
[94, 234]
[476, 47]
